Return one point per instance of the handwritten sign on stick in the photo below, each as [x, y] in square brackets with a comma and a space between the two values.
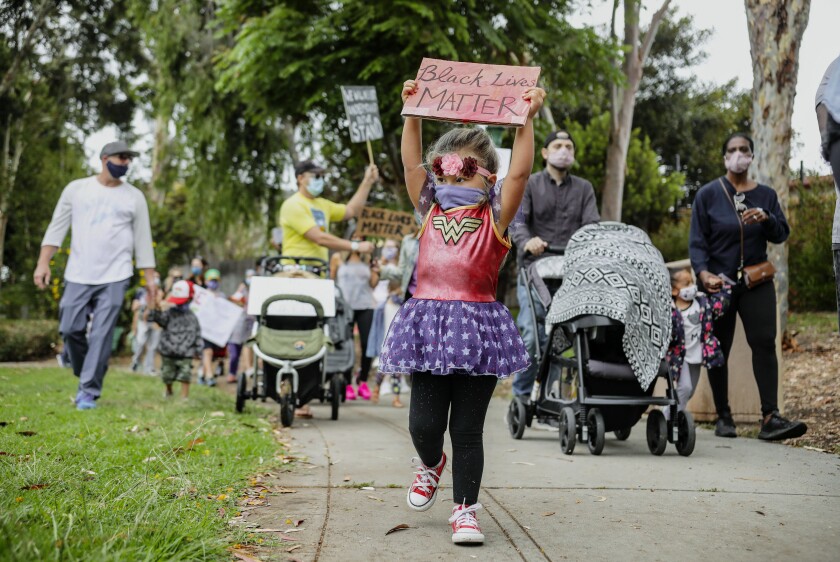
[384, 223]
[471, 93]
[363, 113]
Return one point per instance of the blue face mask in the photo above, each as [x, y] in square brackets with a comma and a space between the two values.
[451, 196]
[315, 187]
[212, 284]
[196, 270]
[116, 170]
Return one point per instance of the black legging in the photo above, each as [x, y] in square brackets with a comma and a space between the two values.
[364, 320]
[464, 400]
[757, 309]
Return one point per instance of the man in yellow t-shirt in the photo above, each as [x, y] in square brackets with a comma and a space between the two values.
[305, 217]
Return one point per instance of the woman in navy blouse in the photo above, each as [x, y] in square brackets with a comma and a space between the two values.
[715, 252]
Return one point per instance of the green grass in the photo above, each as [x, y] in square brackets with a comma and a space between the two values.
[813, 324]
[138, 478]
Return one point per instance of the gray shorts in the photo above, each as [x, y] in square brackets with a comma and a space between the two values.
[176, 369]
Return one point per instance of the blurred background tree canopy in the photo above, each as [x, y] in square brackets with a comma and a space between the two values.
[230, 94]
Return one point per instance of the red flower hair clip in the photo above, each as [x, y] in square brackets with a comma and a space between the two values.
[452, 165]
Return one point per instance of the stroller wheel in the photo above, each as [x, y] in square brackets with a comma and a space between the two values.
[336, 393]
[685, 431]
[657, 432]
[568, 429]
[241, 391]
[622, 434]
[516, 418]
[595, 421]
[287, 403]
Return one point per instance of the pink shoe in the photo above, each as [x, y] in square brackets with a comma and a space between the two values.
[364, 391]
[350, 394]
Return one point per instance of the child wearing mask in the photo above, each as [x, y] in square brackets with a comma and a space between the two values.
[180, 339]
[212, 281]
[693, 343]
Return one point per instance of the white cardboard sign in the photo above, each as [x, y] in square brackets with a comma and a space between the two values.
[217, 316]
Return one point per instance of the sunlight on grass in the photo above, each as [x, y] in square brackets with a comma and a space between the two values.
[138, 478]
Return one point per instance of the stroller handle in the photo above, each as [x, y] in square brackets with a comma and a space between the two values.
[270, 263]
[551, 249]
[319, 309]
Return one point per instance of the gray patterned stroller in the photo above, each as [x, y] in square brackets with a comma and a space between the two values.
[609, 326]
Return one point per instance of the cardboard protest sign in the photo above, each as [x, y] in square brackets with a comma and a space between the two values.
[217, 316]
[471, 93]
[384, 223]
[362, 112]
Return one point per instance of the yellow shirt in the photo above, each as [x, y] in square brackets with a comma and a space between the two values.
[298, 214]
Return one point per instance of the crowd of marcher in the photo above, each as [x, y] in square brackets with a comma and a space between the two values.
[426, 306]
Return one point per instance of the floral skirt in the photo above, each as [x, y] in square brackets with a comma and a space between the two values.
[453, 337]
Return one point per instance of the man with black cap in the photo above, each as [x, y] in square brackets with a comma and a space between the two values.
[110, 224]
[305, 217]
[554, 206]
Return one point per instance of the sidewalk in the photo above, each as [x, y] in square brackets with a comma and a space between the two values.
[740, 499]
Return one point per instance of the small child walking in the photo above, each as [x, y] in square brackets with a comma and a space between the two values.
[453, 336]
[181, 339]
[693, 343]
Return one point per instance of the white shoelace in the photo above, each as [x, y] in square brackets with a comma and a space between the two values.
[468, 512]
[428, 476]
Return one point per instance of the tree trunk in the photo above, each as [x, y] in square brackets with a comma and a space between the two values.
[9, 163]
[160, 158]
[775, 29]
[624, 103]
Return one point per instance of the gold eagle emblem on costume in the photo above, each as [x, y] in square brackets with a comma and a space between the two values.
[454, 230]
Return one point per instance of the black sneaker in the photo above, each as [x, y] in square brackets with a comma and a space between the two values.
[778, 428]
[725, 427]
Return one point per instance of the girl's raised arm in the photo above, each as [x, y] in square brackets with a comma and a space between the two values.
[521, 161]
[412, 149]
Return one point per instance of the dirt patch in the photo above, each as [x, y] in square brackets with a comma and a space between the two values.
[812, 389]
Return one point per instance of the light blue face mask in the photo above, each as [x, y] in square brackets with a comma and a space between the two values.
[315, 187]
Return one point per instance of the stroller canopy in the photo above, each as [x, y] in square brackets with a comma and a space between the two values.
[613, 270]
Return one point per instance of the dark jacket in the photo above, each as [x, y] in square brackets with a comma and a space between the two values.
[181, 336]
[712, 307]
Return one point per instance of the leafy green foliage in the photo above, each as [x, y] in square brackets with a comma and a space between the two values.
[138, 478]
[649, 194]
[672, 238]
[810, 261]
[25, 340]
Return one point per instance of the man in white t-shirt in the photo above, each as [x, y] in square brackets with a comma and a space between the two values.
[110, 223]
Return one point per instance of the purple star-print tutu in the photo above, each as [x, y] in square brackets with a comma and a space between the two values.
[453, 337]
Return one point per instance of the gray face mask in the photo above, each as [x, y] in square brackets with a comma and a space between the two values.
[688, 293]
[315, 187]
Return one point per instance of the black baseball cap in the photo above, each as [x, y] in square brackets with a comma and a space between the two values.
[117, 147]
[308, 166]
[561, 134]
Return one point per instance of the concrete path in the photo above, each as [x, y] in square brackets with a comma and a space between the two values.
[738, 499]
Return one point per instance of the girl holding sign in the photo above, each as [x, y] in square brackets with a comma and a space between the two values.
[452, 335]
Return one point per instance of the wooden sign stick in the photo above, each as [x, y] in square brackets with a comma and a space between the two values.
[370, 151]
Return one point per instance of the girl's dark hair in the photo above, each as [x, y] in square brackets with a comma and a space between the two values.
[676, 271]
[736, 136]
[475, 140]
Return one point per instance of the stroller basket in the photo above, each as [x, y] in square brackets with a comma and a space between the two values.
[291, 344]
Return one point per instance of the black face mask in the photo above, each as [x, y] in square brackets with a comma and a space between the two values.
[116, 170]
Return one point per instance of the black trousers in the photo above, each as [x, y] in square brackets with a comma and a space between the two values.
[463, 399]
[364, 320]
[757, 309]
[834, 160]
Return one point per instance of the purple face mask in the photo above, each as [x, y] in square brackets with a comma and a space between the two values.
[451, 196]
[561, 158]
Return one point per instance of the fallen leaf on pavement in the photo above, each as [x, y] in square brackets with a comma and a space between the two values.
[549, 513]
[347, 479]
[299, 522]
[760, 512]
[525, 463]
[400, 527]
[285, 491]
[294, 548]
[245, 557]
[601, 499]
[368, 488]
[376, 499]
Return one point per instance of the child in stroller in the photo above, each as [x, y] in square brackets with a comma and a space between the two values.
[609, 327]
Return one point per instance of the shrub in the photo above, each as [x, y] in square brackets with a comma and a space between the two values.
[672, 238]
[810, 264]
[25, 340]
